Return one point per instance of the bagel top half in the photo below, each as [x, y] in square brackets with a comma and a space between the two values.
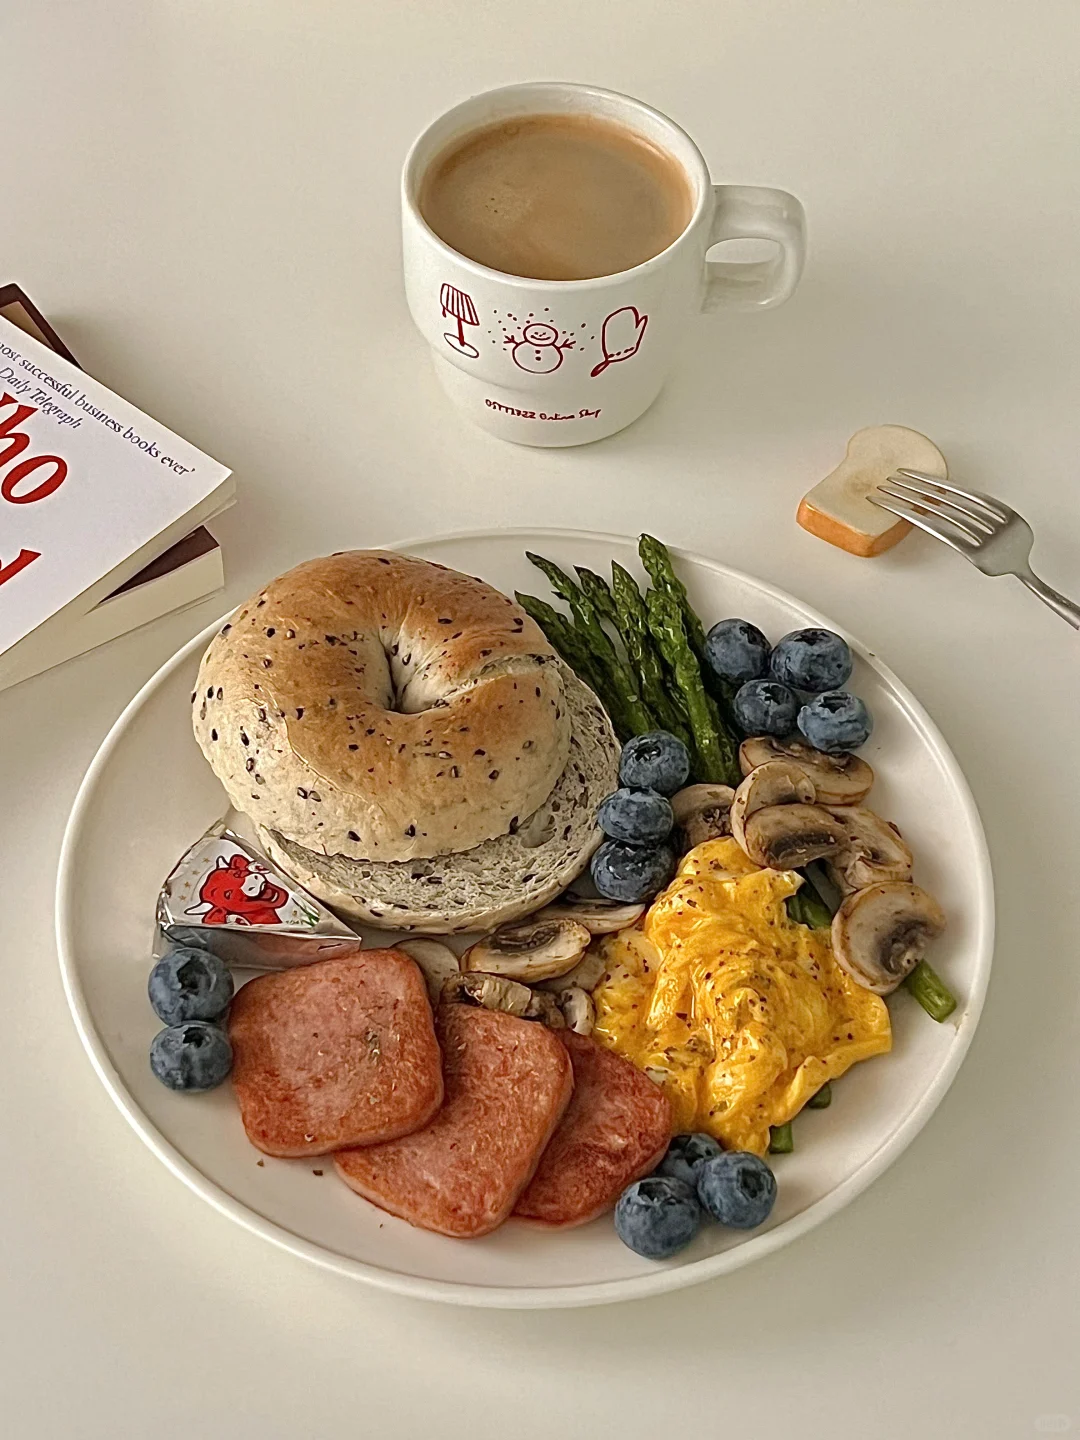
[382, 707]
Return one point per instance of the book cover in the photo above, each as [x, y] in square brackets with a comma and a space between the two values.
[91, 489]
[189, 553]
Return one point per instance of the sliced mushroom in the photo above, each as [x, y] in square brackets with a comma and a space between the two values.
[874, 852]
[577, 1008]
[777, 782]
[546, 1009]
[493, 992]
[702, 812]
[585, 975]
[783, 837]
[437, 961]
[599, 916]
[881, 933]
[838, 779]
[533, 949]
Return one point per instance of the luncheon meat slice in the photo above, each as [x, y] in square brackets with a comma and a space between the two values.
[342, 1052]
[615, 1130]
[508, 1082]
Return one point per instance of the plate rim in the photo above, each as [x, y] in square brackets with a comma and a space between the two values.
[518, 1297]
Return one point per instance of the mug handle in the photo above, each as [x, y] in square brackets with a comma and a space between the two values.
[755, 212]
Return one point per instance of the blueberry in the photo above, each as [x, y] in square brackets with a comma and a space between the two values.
[631, 873]
[189, 985]
[835, 722]
[812, 660]
[641, 817]
[655, 761]
[765, 707]
[192, 1056]
[658, 1216]
[737, 1188]
[685, 1156]
[737, 651]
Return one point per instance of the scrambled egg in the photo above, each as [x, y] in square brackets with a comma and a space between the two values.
[738, 1012]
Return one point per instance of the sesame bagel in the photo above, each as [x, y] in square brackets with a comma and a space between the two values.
[378, 707]
[498, 881]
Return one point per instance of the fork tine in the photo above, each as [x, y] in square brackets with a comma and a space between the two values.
[978, 529]
[940, 529]
[997, 508]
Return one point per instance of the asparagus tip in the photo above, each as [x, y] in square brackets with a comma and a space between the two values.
[781, 1139]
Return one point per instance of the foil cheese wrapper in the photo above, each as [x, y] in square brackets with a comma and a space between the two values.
[225, 897]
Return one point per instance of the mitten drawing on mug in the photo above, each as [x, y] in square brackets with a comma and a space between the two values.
[621, 337]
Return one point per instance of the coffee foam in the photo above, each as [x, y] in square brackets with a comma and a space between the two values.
[556, 197]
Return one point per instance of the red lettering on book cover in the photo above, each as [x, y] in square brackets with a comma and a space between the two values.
[13, 442]
[12, 568]
[16, 442]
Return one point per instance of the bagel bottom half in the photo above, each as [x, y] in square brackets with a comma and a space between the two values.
[497, 881]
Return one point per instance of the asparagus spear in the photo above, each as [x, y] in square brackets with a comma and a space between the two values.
[657, 561]
[656, 558]
[669, 633]
[822, 1099]
[575, 651]
[817, 900]
[582, 608]
[819, 878]
[560, 632]
[795, 912]
[543, 613]
[599, 592]
[806, 907]
[924, 982]
[717, 752]
[931, 991]
[781, 1139]
[606, 656]
[632, 621]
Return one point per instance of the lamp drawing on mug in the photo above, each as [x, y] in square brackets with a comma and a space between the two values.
[621, 337]
[456, 304]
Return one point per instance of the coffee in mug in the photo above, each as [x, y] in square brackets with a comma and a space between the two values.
[556, 197]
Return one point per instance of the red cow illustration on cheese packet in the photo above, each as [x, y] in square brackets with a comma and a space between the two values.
[239, 891]
[225, 896]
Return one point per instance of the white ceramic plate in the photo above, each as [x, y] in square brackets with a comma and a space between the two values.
[149, 794]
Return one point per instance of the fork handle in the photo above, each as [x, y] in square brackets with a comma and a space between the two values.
[1065, 607]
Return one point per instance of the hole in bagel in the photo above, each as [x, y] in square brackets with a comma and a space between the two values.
[414, 683]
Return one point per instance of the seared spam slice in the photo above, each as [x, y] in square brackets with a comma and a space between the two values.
[508, 1082]
[342, 1052]
[616, 1129]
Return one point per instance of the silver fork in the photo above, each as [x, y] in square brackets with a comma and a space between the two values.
[985, 531]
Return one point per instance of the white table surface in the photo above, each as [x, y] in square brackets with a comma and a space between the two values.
[201, 194]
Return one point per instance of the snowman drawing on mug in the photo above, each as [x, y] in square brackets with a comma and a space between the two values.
[540, 348]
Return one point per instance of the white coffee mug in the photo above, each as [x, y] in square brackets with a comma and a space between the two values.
[564, 362]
